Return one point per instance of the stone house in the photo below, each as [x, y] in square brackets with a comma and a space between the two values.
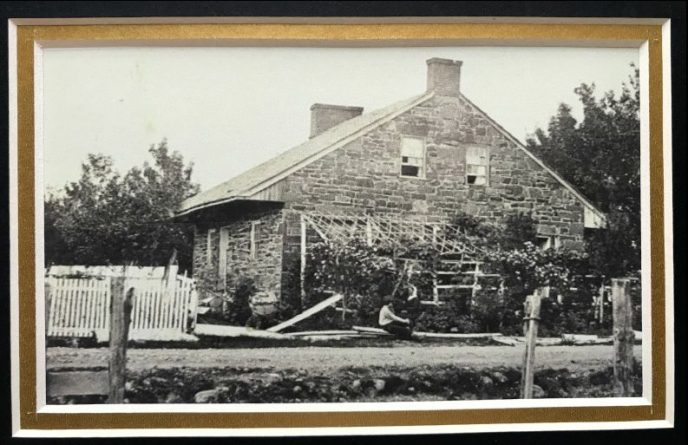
[411, 166]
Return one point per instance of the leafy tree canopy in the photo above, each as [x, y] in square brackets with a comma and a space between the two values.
[109, 218]
[600, 156]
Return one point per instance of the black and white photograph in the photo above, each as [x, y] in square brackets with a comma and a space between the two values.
[241, 225]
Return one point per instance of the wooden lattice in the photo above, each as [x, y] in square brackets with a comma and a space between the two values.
[447, 239]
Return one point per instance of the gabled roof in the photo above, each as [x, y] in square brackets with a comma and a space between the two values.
[257, 178]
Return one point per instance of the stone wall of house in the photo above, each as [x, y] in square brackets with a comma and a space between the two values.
[364, 176]
[265, 267]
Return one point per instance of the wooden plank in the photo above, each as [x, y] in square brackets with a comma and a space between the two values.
[624, 336]
[377, 331]
[326, 332]
[509, 341]
[335, 337]
[456, 336]
[307, 313]
[455, 286]
[77, 383]
[216, 330]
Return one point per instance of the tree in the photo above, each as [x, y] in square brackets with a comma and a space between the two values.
[107, 218]
[600, 156]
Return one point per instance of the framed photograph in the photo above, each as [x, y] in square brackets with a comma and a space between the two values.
[301, 226]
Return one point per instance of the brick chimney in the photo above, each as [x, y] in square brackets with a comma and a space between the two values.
[444, 76]
[324, 116]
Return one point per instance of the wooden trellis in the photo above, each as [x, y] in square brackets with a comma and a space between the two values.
[447, 239]
[459, 254]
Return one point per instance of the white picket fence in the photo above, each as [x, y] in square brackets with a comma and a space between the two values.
[80, 306]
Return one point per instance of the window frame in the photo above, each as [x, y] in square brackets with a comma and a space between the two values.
[551, 242]
[422, 169]
[486, 151]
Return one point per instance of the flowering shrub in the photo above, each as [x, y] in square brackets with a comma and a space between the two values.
[365, 274]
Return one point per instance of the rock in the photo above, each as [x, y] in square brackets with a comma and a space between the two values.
[356, 385]
[486, 381]
[209, 395]
[273, 377]
[128, 386]
[296, 389]
[538, 392]
[498, 376]
[173, 397]
[157, 381]
[379, 384]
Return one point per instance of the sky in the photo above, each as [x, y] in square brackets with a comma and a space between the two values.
[229, 109]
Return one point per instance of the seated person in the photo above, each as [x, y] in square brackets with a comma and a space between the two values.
[400, 327]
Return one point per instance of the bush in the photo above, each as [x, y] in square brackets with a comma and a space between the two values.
[487, 310]
[450, 317]
[237, 311]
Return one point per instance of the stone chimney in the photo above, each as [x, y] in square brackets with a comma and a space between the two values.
[324, 116]
[444, 76]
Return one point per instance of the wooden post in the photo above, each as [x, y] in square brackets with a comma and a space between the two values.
[48, 301]
[222, 259]
[601, 302]
[532, 312]
[622, 311]
[120, 316]
[303, 261]
[369, 232]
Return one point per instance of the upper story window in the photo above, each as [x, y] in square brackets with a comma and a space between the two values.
[412, 157]
[477, 163]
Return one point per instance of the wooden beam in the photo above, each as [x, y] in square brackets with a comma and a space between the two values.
[302, 273]
[252, 241]
[307, 313]
[209, 247]
[222, 258]
[369, 232]
[376, 331]
[217, 330]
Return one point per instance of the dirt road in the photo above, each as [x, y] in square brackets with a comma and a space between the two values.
[325, 359]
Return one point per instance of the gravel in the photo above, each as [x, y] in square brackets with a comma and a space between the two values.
[328, 359]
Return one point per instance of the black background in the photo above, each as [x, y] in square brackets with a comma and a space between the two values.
[676, 11]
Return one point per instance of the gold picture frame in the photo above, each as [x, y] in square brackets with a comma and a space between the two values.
[28, 37]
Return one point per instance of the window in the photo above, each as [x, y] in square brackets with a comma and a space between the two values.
[476, 165]
[412, 157]
[548, 242]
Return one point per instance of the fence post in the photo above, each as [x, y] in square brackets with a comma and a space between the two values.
[120, 316]
[622, 311]
[601, 301]
[48, 301]
[532, 318]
